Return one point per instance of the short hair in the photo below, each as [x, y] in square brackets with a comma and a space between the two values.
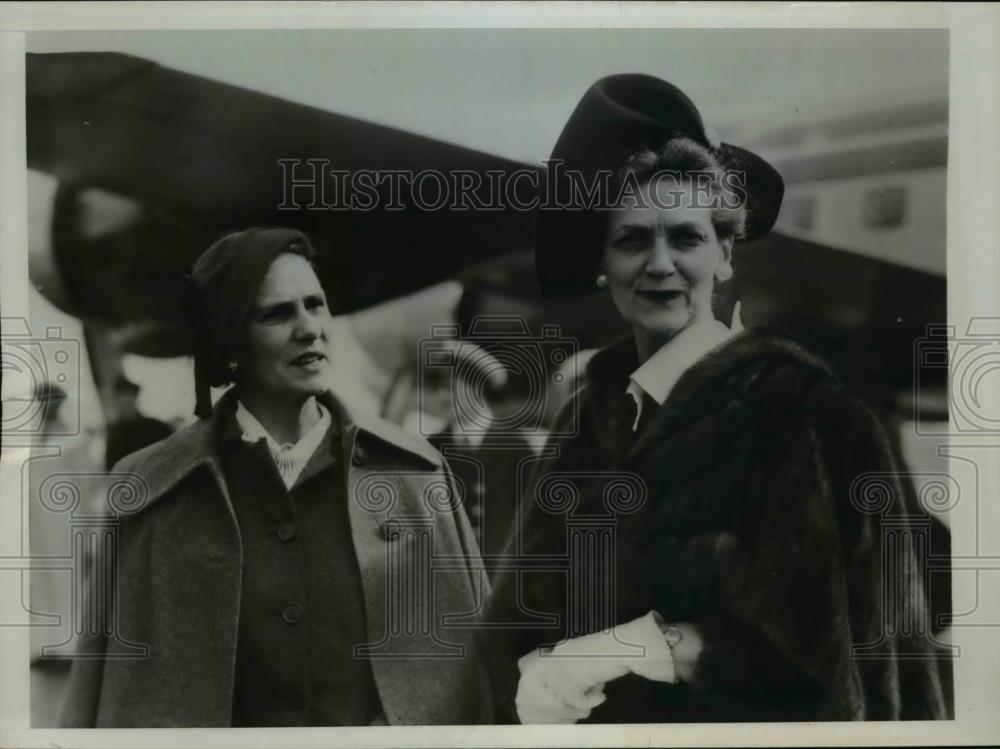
[683, 157]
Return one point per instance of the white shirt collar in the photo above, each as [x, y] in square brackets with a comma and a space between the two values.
[289, 459]
[657, 376]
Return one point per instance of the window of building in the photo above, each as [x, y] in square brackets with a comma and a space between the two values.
[800, 212]
[885, 207]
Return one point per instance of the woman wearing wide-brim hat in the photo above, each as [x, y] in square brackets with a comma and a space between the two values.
[269, 554]
[750, 577]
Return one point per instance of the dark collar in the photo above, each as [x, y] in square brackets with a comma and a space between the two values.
[611, 367]
[702, 386]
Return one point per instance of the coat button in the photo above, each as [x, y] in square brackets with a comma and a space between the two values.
[287, 531]
[360, 457]
[292, 614]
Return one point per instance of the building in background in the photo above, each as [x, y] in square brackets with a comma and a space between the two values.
[871, 182]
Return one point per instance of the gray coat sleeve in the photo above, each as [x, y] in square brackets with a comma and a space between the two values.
[83, 692]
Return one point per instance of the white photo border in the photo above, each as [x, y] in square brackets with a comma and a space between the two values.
[973, 273]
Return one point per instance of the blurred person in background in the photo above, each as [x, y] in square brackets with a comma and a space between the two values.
[469, 413]
[58, 456]
[254, 562]
[130, 430]
[746, 574]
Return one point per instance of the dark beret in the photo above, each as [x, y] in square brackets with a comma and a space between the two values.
[221, 288]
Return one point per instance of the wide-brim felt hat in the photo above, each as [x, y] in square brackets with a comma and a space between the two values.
[618, 116]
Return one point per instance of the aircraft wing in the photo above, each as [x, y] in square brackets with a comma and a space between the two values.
[199, 157]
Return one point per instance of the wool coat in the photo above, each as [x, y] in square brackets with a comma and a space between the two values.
[773, 518]
[179, 570]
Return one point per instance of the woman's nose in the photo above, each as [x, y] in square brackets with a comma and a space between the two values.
[307, 326]
[661, 260]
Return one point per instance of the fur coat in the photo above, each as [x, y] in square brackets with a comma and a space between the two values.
[770, 495]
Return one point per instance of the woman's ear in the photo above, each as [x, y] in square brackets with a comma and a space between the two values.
[724, 270]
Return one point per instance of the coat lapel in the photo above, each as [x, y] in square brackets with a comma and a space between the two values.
[606, 404]
[157, 470]
[353, 421]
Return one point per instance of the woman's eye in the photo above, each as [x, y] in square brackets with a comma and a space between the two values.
[315, 304]
[631, 240]
[274, 315]
[689, 238]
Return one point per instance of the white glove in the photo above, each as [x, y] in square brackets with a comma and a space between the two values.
[637, 646]
[548, 693]
[563, 685]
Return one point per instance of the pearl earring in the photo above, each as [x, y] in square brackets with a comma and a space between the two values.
[724, 272]
[232, 367]
[602, 281]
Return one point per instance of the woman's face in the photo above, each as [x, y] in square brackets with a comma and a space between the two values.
[661, 259]
[285, 351]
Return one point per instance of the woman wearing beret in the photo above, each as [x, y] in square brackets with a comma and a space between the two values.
[266, 543]
[748, 582]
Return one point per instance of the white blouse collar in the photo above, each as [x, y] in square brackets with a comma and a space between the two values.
[657, 376]
[290, 459]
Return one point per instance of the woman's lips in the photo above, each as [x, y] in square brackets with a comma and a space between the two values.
[661, 296]
[309, 360]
